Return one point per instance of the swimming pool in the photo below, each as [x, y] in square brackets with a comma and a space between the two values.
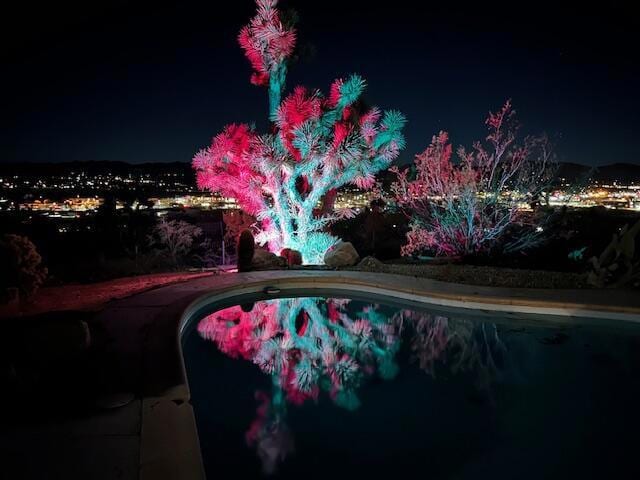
[334, 387]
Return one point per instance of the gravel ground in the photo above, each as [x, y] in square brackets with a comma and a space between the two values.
[479, 275]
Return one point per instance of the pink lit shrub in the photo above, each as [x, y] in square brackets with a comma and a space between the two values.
[470, 206]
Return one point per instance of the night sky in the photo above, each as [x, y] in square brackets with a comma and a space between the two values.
[147, 81]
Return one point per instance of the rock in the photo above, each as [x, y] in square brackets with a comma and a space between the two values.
[265, 260]
[293, 257]
[342, 254]
[372, 264]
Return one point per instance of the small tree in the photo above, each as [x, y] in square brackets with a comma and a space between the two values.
[177, 237]
[469, 207]
[287, 178]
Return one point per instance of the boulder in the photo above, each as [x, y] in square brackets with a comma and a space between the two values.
[372, 264]
[293, 257]
[265, 260]
[342, 254]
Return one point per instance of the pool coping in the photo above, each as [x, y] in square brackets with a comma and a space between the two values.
[569, 304]
[593, 303]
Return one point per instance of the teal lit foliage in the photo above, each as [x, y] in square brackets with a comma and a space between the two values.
[577, 254]
[286, 178]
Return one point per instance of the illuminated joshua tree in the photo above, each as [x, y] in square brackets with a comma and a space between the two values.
[287, 178]
[307, 346]
[467, 208]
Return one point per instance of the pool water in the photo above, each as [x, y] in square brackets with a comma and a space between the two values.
[336, 388]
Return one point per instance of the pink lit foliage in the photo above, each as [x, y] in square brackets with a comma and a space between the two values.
[307, 346]
[287, 178]
[468, 207]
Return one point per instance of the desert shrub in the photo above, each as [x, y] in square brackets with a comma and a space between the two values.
[177, 237]
[619, 264]
[21, 265]
[469, 207]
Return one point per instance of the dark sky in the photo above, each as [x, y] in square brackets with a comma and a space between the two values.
[152, 81]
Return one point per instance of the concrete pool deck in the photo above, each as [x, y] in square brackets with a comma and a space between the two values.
[155, 437]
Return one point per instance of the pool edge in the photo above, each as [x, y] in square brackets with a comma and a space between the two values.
[424, 291]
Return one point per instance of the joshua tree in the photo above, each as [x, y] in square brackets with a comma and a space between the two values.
[287, 178]
[467, 208]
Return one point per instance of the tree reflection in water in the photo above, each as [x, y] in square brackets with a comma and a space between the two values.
[458, 345]
[314, 345]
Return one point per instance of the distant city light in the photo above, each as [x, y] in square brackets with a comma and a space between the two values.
[65, 195]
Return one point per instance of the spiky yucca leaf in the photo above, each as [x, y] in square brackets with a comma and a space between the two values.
[393, 120]
[306, 376]
[351, 90]
[307, 138]
[317, 244]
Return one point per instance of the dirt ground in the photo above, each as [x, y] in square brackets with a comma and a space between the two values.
[91, 297]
